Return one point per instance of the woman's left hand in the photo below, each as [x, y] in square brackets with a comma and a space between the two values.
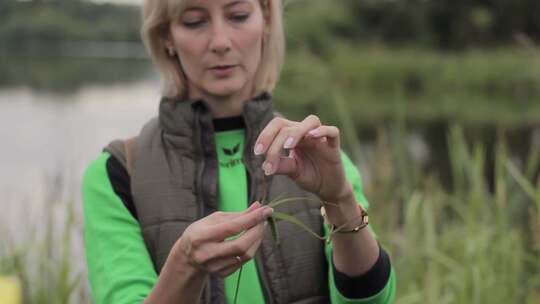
[313, 160]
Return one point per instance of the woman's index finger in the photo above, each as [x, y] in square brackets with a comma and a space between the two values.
[238, 224]
[267, 135]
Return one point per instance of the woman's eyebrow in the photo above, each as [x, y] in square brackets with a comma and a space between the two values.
[195, 7]
[235, 2]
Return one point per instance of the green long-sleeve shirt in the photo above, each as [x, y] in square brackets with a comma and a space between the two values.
[119, 266]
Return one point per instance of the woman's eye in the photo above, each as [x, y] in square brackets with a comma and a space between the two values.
[193, 23]
[240, 17]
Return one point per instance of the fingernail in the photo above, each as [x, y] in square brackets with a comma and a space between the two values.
[258, 149]
[288, 143]
[267, 167]
[268, 212]
[265, 223]
[314, 132]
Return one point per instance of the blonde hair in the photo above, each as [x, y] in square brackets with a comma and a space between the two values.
[157, 14]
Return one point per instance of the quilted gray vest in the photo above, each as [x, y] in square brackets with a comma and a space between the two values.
[174, 182]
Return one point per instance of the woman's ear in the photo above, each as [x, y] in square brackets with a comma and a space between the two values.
[167, 41]
[169, 48]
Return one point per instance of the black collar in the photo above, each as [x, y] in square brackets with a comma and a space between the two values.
[228, 123]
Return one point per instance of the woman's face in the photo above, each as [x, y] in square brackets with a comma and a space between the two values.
[218, 43]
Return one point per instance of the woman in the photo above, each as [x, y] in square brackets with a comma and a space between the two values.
[153, 229]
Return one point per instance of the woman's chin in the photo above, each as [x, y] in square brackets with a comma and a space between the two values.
[223, 92]
[225, 88]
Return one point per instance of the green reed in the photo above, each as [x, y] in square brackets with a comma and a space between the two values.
[467, 244]
[44, 262]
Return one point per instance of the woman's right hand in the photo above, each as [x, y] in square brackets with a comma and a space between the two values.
[205, 246]
[203, 249]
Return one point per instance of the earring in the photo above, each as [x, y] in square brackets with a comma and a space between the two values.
[171, 52]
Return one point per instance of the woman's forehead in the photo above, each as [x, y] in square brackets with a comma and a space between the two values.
[186, 4]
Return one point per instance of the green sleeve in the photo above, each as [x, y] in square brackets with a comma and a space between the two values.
[386, 295]
[120, 270]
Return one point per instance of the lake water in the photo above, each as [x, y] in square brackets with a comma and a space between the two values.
[47, 141]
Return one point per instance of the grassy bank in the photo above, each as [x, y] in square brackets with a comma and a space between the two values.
[40, 254]
[467, 245]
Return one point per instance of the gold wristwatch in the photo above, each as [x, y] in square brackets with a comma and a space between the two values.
[364, 221]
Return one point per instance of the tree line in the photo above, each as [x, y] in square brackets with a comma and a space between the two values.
[440, 24]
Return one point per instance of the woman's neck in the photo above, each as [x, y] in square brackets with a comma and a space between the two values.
[223, 105]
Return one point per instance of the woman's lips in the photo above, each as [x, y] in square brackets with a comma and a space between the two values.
[223, 70]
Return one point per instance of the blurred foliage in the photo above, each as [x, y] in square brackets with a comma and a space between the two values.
[498, 87]
[42, 257]
[74, 20]
[444, 24]
[467, 245]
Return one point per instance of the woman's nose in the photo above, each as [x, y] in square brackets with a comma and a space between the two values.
[220, 42]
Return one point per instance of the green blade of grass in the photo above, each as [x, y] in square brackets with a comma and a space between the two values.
[277, 198]
[278, 202]
[273, 227]
[294, 220]
[238, 285]
[527, 187]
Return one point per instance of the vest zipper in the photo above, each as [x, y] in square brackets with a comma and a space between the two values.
[264, 282]
[252, 196]
[206, 168]
[200, 201]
